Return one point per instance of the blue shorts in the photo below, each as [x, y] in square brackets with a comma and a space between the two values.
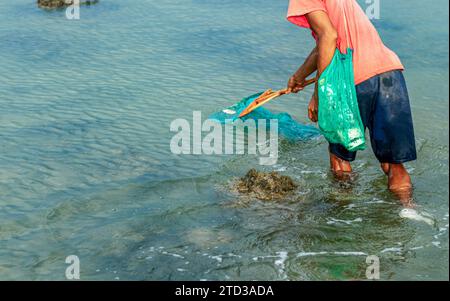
[384, 106]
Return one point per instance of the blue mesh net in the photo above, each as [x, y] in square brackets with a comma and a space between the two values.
[287, 126]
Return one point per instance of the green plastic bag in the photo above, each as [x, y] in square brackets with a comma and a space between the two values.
[339, 118]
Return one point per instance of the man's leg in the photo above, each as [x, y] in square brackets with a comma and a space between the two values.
[399, 182]
[398, 176]
[392, 133]
[339, 165]
[340, 161]
[340, 157]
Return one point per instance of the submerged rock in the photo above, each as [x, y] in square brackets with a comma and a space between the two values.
[62, 3]
[207, 238]
[265, 186]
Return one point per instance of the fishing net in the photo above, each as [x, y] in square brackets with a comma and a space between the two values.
[288, 127]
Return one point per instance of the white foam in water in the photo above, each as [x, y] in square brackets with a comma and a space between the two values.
[436, 243]
[217, 257]
[394, 249]
[304, 254]
[348, 222]
[229, 112]
[341, 253]
[414, 215]
[350, 253]
[283, 256]
[280, 168]
[234, 255]
[350, 206]
[172, 254]
[376, 200]
[417, 248]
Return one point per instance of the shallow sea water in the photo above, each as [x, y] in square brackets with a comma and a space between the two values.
[86, 167]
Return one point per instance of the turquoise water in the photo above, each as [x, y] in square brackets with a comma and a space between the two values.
[86, 168]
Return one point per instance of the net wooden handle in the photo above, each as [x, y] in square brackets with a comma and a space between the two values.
[307, 83]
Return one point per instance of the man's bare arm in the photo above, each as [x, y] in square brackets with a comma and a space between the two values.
[321, 56]
[309, 65]
[297, 81]
[326, 38]
[326, 46]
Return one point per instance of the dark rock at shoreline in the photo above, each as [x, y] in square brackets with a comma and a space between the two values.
[62, 3]
[265, 186]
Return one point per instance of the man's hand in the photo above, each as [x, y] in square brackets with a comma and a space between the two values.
[313, 108]
[295, 84]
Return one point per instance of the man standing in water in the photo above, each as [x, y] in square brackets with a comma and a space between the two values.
[380, 86]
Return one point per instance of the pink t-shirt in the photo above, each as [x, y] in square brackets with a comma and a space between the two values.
[370, 56]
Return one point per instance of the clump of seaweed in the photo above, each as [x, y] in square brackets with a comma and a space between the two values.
[265, 186]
